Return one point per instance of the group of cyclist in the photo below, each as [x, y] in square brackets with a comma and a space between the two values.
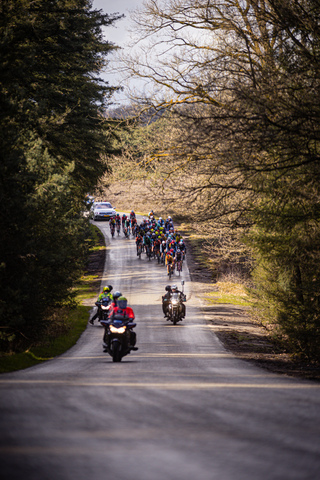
[128, 224]
[160, 239]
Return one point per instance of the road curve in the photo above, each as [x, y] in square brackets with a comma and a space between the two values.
[181, 407]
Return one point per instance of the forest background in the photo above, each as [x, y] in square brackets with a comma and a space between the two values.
[225, 136]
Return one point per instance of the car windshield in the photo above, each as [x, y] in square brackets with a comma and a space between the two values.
[103, 205]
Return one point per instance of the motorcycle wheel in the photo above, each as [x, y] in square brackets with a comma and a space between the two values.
[174, 319]
[116, 353]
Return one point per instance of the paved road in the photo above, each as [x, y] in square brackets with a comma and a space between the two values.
[179, 408]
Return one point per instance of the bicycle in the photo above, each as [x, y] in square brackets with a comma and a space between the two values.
[157, 255]
[179, 266]
[170, 269]
[139, 250]
[148, 251]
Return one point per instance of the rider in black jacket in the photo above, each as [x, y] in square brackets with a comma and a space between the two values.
[165, 301]
[174, 289]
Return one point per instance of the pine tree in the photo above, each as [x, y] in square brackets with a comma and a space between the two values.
[53, 135]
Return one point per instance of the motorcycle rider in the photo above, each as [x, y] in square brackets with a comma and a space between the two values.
[123, 311]
[174, 289]
[106, 293]
[113, 304]
[166, 300]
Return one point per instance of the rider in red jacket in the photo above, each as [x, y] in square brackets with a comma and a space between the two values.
[122, 310]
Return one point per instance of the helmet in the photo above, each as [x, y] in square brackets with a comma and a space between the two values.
[108, 288]
[168, 288]
[122, 302]
[174, 287]
[116, 295]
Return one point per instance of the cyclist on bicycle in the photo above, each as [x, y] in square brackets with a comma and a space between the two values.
[178, 255]
[183, 248]
[170, 262]
[156, 248]
[139, 242]
[147, 242]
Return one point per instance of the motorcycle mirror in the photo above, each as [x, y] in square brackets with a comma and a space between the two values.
[182, 282]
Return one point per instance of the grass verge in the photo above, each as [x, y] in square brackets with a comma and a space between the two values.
[229, 293]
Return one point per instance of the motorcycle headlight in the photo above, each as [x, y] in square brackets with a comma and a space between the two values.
[103, 307]
[175, 302]
[117, 330]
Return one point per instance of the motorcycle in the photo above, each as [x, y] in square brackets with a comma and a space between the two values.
[116, 340]
[175, 309]
[103, 308]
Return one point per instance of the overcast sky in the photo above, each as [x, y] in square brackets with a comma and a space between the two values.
[118, 33]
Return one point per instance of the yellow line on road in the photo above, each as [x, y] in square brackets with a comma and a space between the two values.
[159, 355]
[164, 385]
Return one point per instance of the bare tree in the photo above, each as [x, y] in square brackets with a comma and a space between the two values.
[242, 82]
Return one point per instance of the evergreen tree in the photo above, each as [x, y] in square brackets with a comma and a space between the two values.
[52, 137]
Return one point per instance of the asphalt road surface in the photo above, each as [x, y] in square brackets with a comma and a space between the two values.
[181, 407]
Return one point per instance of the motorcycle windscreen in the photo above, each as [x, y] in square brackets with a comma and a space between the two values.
[175, 298]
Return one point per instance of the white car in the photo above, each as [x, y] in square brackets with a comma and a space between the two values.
[102, 211]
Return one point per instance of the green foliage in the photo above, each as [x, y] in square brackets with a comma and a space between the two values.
[52, 137]
[287, 275]
[76, 321]
[63, 326]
